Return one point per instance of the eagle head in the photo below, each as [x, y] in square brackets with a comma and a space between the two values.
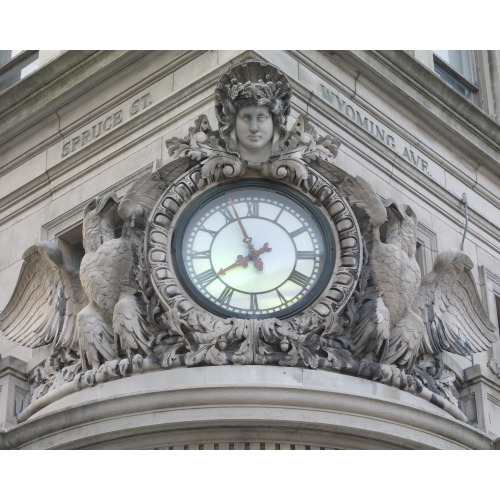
[401, 226]
[98, 217]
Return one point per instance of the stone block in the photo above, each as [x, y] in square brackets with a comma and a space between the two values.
[284, 61]
[228, 56]
[28, 171]
[20, 234]
[336, 70]
[13, 389]
[195, 69]
[448, 236]
[119, 88]
[27, 143]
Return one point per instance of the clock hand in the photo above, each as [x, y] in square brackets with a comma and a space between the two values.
[246, 238]
[240, 261]
[243, 261]
[252, 253]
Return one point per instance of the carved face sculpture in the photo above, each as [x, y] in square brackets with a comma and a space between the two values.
[254, 132]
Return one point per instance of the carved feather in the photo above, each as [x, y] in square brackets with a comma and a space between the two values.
[46, 300]
[361, 194]
[449, 304]
[96, 337]
[129, 325]
[141, 196]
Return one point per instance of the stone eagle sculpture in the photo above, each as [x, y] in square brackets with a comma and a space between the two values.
[377, 319]
[46, 301]
[403, 316]
[97, 312]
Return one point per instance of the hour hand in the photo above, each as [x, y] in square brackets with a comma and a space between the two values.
[240, 261]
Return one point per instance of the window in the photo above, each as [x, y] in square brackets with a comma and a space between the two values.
[426, 248]
[71, 246]
[455, 68]
[497, 303]
[7, 55]
[490, 293]
[15, 65]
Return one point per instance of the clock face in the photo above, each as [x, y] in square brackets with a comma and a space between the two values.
[253, 251]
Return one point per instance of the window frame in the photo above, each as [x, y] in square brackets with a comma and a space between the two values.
[453, 74]
[13, 62]
[490, 293]
[427, 249]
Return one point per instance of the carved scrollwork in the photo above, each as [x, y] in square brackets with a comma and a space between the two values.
[302, 146]
[372, 319]
[196, 336]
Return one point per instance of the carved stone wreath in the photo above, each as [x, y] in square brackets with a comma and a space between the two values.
[195, 336]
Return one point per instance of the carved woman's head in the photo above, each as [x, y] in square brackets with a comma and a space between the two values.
[253, 103]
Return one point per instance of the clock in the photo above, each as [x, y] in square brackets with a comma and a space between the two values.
[253, 249]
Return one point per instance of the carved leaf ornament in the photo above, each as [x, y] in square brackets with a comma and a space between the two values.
[345, 325]
[211, 339]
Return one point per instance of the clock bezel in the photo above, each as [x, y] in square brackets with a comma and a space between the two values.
[173, 308]
[321, 219]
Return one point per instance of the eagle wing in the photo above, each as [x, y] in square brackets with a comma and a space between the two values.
[449, 304]
[369, 207]
[140, 199]
[46, 300]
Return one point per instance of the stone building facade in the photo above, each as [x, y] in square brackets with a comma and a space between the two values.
[419, 127]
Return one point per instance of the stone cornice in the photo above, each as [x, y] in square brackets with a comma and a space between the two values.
[212, 398]
[55, 84]
[421, 91]
[456, 103]
[103, 63]
[8, 205]
[13, 366]
[450, 206]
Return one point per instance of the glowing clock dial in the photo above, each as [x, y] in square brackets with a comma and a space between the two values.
[253, 252]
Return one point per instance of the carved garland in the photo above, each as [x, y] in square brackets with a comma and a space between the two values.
[195, 336]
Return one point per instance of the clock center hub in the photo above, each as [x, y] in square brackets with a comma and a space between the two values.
[278, 263]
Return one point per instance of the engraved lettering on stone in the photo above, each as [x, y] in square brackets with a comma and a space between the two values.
[125, 311]
[105, 124]
[388, 138]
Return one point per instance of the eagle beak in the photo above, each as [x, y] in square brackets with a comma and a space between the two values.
[106, 203]
[395, 209]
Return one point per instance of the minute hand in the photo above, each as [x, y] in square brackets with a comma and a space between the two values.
[246, 238]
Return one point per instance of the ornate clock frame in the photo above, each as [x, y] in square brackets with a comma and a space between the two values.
[233, 340]
[170, 329]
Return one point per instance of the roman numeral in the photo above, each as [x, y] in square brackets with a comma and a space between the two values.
[306, 255]
[254, 305]
[298, 231]
[226, 295]
[253, 208]
[228, 214]
[298, 278]
[206, 277]
[201, 255]
[212, 233]
[278, 216]
[282, 299]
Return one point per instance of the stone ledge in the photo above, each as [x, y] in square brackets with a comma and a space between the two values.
[129, 412]
[10, 365]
